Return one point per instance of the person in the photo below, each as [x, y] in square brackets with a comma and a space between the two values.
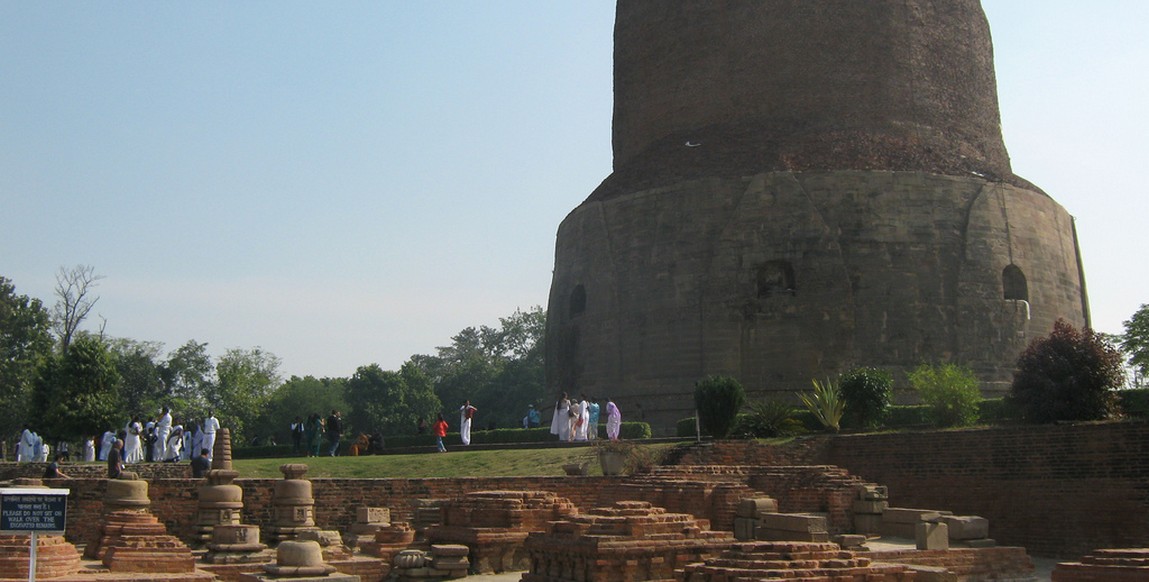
[149, 442]
[175, 444]
[314, 433]
[191, 435]
[90, 449]
[106, 443]
[613, 420]
[583, 420]
[421, 426]
[26, 448]
[52, 471]
[201, 464]
[210, 427]
[466, 414]
[533, 418]
[560, 423]
[163, 433]
[440, 430]
[592, 423]
[297, 431]
[573, 413]
[116, 459]
[334, 432]
[132, 450]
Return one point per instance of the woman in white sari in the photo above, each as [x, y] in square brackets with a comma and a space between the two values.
[133, 449]
[560, 422]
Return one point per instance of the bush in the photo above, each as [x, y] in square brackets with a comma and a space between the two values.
[1134, 403]
[950, 392]
[867, 395]
[718, 400]
[826, 404]
[1069, 375]
[768, 419]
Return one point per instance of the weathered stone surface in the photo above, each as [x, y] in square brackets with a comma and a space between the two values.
[757, 506]
[779, 212]
[966, 527]
[813, 562]
[932, 536]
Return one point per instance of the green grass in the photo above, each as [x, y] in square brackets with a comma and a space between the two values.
[454, 463]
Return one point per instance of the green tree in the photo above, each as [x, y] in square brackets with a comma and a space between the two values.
[1135, 340]
[77, 393]
[301, 397]
[142, 387]
[950, 391]
[188, 376]
[718, 400]
[25, 341]
[866, 392]
[247, 379]
[389, 402]
[1067, 375]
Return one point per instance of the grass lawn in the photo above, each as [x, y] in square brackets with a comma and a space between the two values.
[454, 463]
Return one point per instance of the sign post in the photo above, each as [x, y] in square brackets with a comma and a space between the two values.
[35, 511]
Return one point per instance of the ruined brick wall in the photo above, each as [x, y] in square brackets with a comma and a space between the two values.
[1059, 491]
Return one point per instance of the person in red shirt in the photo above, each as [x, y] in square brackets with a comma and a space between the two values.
[440, 430]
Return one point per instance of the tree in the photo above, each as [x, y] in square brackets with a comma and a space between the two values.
[718, 400]
[389, 402]
[138, 362]
[25, 341]
[301, 397]
[188, 376]
[1068, 375]
[77, 393]
[247, 378]
[73, 301]
[1135, 341]
[866, 392]
[951, 392]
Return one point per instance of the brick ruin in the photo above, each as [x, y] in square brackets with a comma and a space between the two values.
[800, 188]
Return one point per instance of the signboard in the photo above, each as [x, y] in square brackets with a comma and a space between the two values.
[24, 510]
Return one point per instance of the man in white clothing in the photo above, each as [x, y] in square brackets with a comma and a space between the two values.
[26, 449]
[210, 426]
[163, 433]
[466, 413]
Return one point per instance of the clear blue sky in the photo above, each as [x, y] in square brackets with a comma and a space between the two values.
[353, 183]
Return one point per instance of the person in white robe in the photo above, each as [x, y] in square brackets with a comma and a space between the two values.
[613, 420]
[133, 449]
[163, 433]
[186, 439]
[41, 450]
[106, 443]
[175, 444]
[560, 422]
[583, 419]
[25, 449]
[466, 414]
[210, 426]
[90, 450]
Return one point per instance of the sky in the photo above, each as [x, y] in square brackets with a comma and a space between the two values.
[352, 183]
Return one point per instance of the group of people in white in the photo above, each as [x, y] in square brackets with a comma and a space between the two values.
[577, 420]
[156, 439]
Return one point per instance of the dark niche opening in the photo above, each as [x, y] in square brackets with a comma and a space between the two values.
[776, 279]
[1013, 283]
[577, 301]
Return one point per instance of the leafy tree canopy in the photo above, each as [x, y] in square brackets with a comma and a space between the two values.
[1068, 375]
[77, 393]
[25, 340]
[1135, 341]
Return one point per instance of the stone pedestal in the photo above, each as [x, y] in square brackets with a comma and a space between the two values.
[368, 522]
[132, 539]
[629, 540]
[55, 557]
[442, 562]
[391, 540]
[236, 544]
[299, 561]
[220, 501]
[293, 507]
[494, 525]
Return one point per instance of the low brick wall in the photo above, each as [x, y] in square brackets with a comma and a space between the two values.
[1059, 491]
